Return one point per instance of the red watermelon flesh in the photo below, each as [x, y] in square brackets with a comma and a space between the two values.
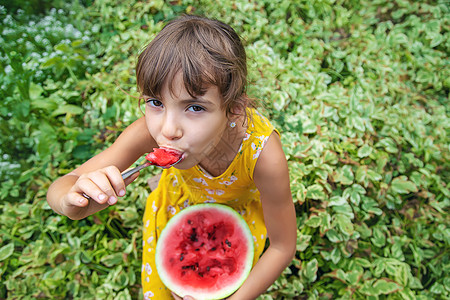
[164, 157]
[205, 251]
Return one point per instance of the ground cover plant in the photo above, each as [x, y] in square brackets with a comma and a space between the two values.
[358, 89]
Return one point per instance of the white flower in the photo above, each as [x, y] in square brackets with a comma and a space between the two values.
[210, 200]
[171, 209]
[201, 180]
[148, 295]
[148, 269]
[256, 155]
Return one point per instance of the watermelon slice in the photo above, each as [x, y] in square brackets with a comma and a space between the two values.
[164, 157]
[205, 251]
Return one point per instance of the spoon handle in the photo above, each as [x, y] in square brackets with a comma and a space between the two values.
[130, 172]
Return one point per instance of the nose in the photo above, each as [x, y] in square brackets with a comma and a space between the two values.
[171, 127]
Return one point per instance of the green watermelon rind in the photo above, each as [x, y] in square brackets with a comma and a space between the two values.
[210, 295]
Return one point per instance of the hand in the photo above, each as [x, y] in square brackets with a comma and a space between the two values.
[176, 297]
[102, 186]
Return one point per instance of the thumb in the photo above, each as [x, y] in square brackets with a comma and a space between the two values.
[188, 298]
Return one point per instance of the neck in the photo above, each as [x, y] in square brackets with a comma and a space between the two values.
[223, 154]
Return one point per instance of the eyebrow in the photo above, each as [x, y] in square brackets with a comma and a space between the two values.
[197, 100]
[185, 101]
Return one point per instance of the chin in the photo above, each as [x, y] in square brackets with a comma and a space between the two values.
[184, 165]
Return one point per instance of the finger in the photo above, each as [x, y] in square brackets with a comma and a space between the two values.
[110, 182]
[175, 296]
[103, 183]
[116, 181]
[75, 199]
[85, 186]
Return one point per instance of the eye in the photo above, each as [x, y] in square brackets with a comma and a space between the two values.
[196, 108]
[153, 102]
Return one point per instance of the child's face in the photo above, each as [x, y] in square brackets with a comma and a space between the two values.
[193, 126]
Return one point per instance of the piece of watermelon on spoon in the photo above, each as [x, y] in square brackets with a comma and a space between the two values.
[163, 157]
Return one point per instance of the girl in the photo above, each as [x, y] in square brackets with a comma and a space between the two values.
[192, 77]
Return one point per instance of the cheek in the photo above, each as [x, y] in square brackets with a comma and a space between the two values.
[152, 125]
[210, 136]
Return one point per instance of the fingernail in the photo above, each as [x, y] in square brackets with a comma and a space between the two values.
[101, 197]
[112, 200]
[122, 193]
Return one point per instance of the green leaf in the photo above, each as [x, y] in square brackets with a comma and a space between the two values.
[51, 62]
[386, 286]
[345, 224]
[6, 251]
[67, 109]
[388, 144]
[364, 151]
[113, 259]
[354, 276]
[378, 239]
[315, 192]
[63, 47]
[333, 236]
[402, 185]
[311, 269]
[303, 241]
[345, 175]
[313, 221]
[374, 176]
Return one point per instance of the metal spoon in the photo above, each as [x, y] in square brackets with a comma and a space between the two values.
[130, 172]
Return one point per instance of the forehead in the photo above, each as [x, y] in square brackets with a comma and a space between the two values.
[176, 90]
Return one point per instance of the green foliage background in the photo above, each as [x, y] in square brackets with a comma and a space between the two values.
[358, 89]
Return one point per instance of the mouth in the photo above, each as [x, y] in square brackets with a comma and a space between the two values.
[165, 157]
[174, 152]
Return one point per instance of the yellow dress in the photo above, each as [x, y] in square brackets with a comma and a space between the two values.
[178, 189]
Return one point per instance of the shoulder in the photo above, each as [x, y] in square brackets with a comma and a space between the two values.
[271, 165]
[258, 122]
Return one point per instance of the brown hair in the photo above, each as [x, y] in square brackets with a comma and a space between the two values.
[206, 52]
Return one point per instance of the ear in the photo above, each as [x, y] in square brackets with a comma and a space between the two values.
[238, 108]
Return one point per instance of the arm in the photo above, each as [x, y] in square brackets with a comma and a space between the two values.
[272, 180]
[100, 176]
